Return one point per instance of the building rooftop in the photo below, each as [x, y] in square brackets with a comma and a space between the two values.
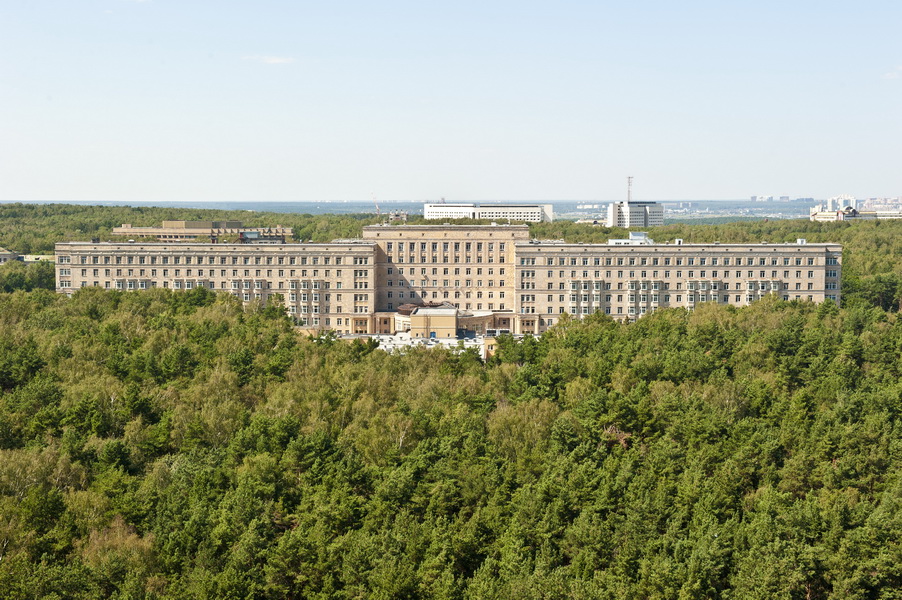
[669, 244]
[208, 245]
[445, 227]
[437, 311]
[401, 341]
[636, 238]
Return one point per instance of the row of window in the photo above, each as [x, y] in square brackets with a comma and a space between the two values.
[327, 273]
[665, 285]
[690, 299]
[445, 271]
[467, 306]
[445, 246]
[412, 258]
[293, 285]
[326, 321]
[445, 283]
[187, 285]
[210, 260]
[762, 286]
[445, 294]
[830, 274]
[526, 275]
[676, 261]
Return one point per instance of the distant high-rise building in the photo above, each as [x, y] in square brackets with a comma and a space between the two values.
[532, 213]
[635, 214]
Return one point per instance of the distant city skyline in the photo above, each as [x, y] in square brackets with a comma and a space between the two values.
[275, 101]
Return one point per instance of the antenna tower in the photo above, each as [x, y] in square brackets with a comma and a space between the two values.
[378, 212]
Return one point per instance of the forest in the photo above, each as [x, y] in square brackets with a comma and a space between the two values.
[35, 228]
[166, 444]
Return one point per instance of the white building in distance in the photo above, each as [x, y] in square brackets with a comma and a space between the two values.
[635, 214]
[846, 208]
[531, 213]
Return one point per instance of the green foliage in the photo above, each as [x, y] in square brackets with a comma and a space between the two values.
[182, 446]
[35, 228]
[16, 275]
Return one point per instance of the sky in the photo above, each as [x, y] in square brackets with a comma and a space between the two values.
[291, 101]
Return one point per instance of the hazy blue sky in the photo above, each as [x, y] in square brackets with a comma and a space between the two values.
[292, 101]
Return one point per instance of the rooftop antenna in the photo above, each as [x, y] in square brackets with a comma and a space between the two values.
[629, 189]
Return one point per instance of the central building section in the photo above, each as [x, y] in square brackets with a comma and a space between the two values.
[471, 267]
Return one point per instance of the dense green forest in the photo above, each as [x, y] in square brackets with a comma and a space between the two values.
[179, 445]
[17, 275]
[35, 228]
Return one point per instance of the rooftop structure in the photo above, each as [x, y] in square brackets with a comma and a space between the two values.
[636, 238]
[33, 258]
[402, 341]
[7, 255]
[208, 230]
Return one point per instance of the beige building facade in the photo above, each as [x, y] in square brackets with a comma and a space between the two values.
[628, 281]
[357, 286]
[470, 266]
[323, 286]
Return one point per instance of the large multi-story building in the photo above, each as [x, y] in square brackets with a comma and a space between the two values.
[635, 214]
[532, 213]
[525, 285]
